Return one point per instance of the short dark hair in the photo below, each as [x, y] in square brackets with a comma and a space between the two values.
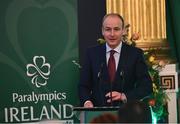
[113, 14]
[134, 112]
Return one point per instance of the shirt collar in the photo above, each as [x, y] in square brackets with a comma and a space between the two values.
[117, 49]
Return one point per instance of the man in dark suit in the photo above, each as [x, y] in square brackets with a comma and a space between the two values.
[114, 72]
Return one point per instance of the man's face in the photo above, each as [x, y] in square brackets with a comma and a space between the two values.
[112, 31]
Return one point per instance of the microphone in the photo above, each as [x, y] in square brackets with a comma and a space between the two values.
[122, 73]
[100, 71]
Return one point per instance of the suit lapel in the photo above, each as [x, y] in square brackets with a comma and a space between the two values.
[103, 60]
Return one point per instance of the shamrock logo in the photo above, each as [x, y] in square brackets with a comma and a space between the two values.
[39, 71]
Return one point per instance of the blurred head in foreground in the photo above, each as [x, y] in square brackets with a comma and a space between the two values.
[134, 112]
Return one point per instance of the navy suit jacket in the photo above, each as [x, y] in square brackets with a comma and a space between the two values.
[132, 77]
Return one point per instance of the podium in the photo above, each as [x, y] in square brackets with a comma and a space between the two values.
[87, 114]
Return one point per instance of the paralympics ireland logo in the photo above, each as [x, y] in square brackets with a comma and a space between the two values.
[39, 71]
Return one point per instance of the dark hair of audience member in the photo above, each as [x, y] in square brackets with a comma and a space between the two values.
[134, 112]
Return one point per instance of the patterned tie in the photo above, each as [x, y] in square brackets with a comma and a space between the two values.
[111, 66]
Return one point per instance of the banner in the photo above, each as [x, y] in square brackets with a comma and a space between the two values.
[39, 72]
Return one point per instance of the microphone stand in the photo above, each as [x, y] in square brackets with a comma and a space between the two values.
[122, 86]
[122, 76]
[111, 92]
[99, 81]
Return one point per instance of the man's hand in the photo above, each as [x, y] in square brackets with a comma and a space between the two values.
[88, 104]
[116, 96]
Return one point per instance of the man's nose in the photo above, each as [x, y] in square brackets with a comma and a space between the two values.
[112, 32]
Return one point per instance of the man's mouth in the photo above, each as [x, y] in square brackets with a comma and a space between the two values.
[112, 39]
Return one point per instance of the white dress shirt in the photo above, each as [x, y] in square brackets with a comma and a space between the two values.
[116, 54]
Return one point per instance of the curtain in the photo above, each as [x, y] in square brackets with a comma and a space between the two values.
[173, 27]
